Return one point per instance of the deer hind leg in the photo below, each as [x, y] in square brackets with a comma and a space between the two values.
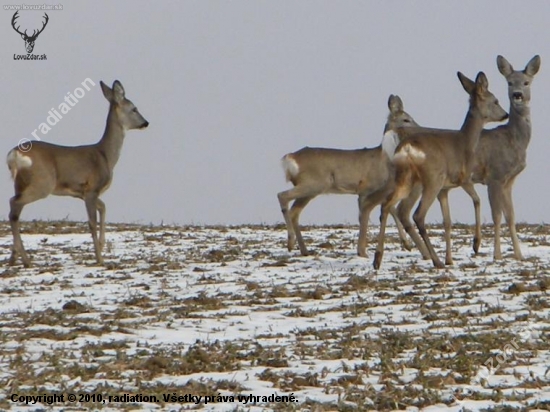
[366, 204]
[443, 198]
[508, 206]
[101, 211]
[404, 213]
[401, 191]
[495, 191]
[364, 212]
[469, 188]
[284, 200]
[379, 254]
[429, 194]
[301, 195]
[16, 207]
[401, 230]
[92, 207]
[17, 203]
[295, 210]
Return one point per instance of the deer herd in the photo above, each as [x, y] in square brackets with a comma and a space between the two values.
[413, 162]
[417, 162]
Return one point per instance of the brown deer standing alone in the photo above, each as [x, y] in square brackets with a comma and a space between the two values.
[84, 172]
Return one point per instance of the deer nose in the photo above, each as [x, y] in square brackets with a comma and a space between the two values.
[517, 95]
[144, 125]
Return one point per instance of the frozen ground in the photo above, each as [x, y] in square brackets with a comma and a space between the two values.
[210, 311]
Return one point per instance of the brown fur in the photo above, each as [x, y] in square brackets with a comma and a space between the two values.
[79, 171]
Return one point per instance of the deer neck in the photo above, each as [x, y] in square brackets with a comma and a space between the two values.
[471, 128]
[113, 138]
[519, 124]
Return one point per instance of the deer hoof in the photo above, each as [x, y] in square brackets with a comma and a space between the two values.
[377, 260]
[290, 244]
[406, 245]
[361, 253]
[477, 244]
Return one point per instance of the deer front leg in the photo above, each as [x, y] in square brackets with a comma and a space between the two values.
[443, 198]
[496, 200]
[101, 211]
[469, 188]
[511, 219]
[91, 208]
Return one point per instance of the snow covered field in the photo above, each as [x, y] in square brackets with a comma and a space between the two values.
[208, 311]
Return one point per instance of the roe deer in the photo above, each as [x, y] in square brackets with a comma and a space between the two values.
[84, 172]
[499, 158]
[367, 173]
[439, 160]
[501, 152]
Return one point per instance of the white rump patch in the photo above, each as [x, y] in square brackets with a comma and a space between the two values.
[290, 166]
[408, 151]
[390, 141]
[17, 161]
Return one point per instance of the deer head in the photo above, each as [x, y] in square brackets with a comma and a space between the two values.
[29, 40]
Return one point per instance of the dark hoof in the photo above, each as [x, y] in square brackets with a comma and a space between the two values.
[377, 260]
[477, 244]
[438, 264]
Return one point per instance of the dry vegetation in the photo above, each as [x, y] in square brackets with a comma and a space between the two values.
[208, 310]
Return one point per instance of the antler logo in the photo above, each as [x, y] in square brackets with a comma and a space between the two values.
[29, 40]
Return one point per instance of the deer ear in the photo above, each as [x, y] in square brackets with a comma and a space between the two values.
[118, 91]
[107, 92]
[504, 67]
[395, 104]
[468, 85]
[482, 84]
[533, 66]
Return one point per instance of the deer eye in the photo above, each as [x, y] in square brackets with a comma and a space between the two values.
[407, 121]
[526, 84]
[134, 109]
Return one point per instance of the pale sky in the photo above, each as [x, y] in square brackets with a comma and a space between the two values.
[229, 87]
